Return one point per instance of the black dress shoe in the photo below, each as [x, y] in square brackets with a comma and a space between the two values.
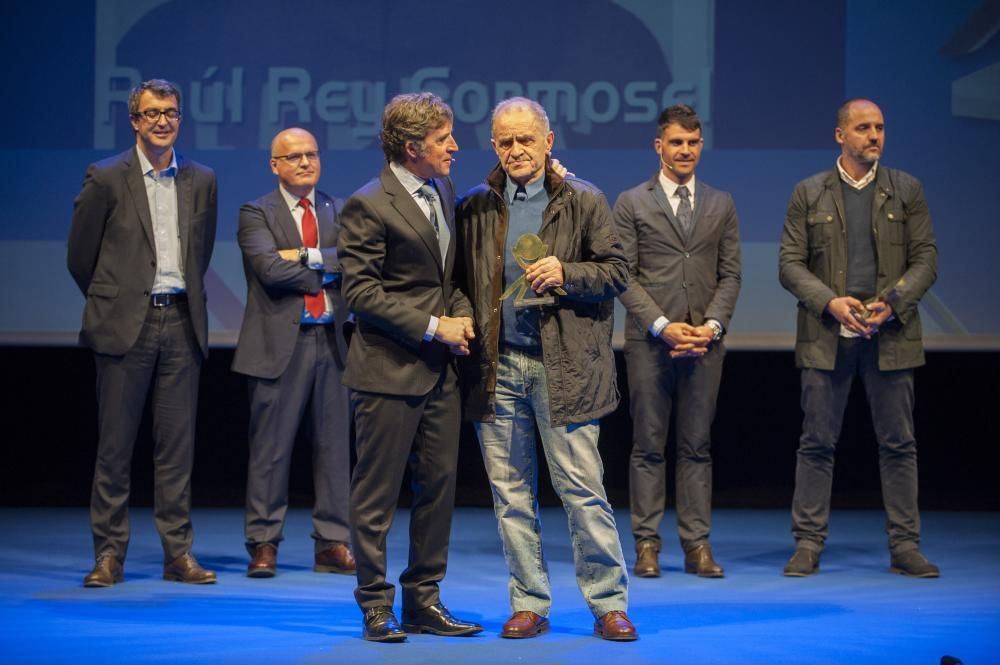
[381, 625]
[913, 564]
[803, 563]
[438, 620]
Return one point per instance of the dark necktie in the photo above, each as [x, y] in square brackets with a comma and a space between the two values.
[521, 194]
[427, 191]
[684, 213]
[315, 304]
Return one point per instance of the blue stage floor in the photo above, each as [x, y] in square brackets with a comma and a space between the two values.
[853, 612]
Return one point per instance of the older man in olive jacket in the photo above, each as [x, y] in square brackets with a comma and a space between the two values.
[545, 364]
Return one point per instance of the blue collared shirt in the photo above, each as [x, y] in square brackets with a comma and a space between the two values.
[161, 193]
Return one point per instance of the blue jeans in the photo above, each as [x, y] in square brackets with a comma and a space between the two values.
[508, 446]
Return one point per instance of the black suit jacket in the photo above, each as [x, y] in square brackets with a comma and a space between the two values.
[394, 281]
[112, 255]
[275, 287]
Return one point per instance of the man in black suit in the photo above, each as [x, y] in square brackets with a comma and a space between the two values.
[683, 246]
[397, 254]
[141, 239]
[292, 349]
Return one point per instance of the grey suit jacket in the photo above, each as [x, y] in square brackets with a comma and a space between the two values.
[394, 281]
[682, 278]
[112, 255]
[813, 264]
[275, 287]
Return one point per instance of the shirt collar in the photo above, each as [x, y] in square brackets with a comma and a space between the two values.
[409, 180]
[857, 184]
[532, 189]
[292, 201]
[147, 166]
[670, 187]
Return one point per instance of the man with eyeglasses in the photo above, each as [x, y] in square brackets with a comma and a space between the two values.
[142, 235]
[292, 349]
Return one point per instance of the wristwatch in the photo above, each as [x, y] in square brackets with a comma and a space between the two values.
[716, 328]
[303, 256]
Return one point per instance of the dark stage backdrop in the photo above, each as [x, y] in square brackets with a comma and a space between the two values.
[765, 77]
[50, 436]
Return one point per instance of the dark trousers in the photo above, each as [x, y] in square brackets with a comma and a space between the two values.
[309, 388]
[167, 359]
[393, 432]
[658, 387]
[824, 397]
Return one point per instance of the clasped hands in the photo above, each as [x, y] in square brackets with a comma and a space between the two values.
[859, 318]
[456, 332]
[686, 340]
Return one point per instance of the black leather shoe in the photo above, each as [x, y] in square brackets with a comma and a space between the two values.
[913, 564]
[438, 620]
[381, 625]
[803, 563]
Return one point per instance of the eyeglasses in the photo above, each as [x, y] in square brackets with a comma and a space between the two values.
[296, 157]
[153, 115]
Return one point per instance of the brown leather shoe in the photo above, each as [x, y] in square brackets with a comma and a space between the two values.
[524, 624]
[185, 569]
[647, 562]
[107, 570]
[615, 626]
[337, 559]
[264, 562]
[699, 562]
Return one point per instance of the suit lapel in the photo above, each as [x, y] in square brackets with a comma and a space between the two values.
[137, 190]
[325, 219]
[284, 223]
[185, 202]
[703, 195]
[411, 213]
[660, 197]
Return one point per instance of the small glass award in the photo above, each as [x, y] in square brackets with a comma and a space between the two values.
[528, 249]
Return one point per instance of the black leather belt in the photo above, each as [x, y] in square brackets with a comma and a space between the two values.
[167, 299]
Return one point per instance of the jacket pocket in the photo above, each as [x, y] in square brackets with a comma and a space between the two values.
[819, 226]
[896, 226]
[102, 290]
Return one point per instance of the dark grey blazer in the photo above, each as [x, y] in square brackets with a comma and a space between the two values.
[682, 278]
[112, 255]
[394, 281]
[275, 287]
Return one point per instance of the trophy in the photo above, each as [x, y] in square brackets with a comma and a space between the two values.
[528, 249]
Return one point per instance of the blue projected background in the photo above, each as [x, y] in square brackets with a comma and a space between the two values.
[766, 78]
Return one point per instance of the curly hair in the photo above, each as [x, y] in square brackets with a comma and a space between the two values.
[411, 117]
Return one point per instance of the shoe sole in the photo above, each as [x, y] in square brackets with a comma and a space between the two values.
[705, 575]
[620, 638]
[795, 573]
[520, 636]
[900, 571]
[333, 569]
[178, 578]
[387, 638]
[259, 573]
[416, 630]
[648, 573]
[103, 585]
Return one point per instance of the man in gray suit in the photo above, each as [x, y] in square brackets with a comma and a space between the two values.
[858, 253]
[142, 235]
[397, 254]
[682, 241]
[292, 349]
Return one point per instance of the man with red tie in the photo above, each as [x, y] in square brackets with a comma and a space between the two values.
[292, 348]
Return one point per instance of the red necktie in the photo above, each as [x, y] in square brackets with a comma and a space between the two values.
[315, 304]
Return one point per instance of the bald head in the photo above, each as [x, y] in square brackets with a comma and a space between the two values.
[295, 160]
[861, 135]
[859, 104]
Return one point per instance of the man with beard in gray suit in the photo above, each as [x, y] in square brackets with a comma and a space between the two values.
[682, 241]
